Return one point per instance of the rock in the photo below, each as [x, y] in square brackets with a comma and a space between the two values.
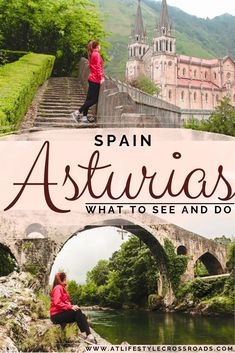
[21, 325]
[6, 344]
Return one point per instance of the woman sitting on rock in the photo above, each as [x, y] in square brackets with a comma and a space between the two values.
[63, 312]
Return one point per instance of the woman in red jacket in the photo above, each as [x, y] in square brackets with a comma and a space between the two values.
[63, 312]
[95, 79]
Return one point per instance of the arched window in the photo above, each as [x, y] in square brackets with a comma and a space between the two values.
[160, 45]
[182, 95]
[144, 50]
[156, 46]
[170, 45]
[195, 73]
[170, 94]
[140, 50]
[195, 96]
[134, 51]
[167, 45]
[131, 52]
[206, 97]
[205, 74]
[184, 71]
[217, 98]
[215, 76]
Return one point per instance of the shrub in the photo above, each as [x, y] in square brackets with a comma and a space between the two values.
[222, 120]
[9, 56]
[177, 264]
[143, 83]
[19, 82]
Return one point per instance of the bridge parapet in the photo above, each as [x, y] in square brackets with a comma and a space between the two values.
[122, 105]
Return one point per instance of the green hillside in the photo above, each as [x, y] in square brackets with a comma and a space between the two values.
[195, 36]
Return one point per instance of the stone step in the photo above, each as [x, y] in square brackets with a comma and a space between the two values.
[55, 120]
[62, 96]
[53, 115]
[64, 125]
[57, 101]
[45, 112]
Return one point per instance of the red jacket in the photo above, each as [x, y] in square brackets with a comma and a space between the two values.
[96, 67]
[60, 300]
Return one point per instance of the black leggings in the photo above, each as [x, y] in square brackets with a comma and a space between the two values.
[92, 97]
[69, 316]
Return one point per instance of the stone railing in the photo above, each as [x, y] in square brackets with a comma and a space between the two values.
[123, 105]
[144, 98]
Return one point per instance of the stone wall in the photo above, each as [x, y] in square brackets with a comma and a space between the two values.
[121, 105]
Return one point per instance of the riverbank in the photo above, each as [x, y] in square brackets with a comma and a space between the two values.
[24, 320]
[206, 296]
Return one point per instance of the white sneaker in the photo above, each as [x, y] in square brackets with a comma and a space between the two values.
[76, 116]
[84, 119]
[91, 339]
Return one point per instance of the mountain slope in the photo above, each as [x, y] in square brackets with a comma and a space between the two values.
[206, 38]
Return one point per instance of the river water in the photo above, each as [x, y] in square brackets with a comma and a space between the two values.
[143, 327]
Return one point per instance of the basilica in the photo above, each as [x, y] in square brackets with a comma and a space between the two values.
[194, 84]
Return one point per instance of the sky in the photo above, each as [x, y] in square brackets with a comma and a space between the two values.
[81, 253]
[205, 8]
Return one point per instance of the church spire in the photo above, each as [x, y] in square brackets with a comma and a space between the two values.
[164, 17]
[164, 26]
[139, 30]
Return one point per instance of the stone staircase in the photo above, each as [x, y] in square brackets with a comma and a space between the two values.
[61, 97]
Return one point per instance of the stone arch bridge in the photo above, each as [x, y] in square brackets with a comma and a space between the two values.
[35, 240]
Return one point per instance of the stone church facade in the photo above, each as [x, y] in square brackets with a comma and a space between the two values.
[196, 85]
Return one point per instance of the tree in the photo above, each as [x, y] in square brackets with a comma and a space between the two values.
[74, 292]
[99, 274]
[223, 240]
[143, 83]
[127, 278]
[59, 27]
[222, 121]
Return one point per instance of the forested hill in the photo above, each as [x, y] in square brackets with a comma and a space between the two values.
[205, 38]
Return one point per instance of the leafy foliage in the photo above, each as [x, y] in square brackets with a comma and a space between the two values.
[223, 240]
[58, 27]
[231, 256]
[177, 264]
[200, 269]
[143, 83]
[7, 261]
[126, 279]
[99, 274]
[19, 82]
[222, 121]
[9, 56]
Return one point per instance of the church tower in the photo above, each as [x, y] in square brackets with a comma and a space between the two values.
[138, 46]
[164, 58]
[164, 41]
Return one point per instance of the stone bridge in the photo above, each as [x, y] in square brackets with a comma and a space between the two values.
[36, 239]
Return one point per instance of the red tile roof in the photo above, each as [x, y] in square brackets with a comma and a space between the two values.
[196, 83]
[198, 60]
